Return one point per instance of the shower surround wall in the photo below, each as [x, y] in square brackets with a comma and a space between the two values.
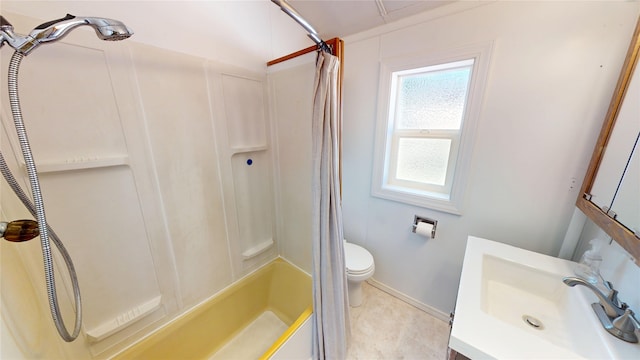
[156, 168]
[291, 105]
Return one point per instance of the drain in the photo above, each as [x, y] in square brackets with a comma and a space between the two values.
[533, 322]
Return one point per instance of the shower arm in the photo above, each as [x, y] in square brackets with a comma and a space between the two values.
[312, 33]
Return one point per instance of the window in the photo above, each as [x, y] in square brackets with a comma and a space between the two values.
[426, 122]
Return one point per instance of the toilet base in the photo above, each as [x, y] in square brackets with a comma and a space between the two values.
[355, 293]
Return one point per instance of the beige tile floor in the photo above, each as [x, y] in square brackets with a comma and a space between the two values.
[386, 328]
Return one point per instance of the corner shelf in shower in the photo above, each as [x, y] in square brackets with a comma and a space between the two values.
[257, 250]
[248, 149]
[81, 163]
[123, 320]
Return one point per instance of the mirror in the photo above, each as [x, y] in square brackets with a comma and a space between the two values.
[626, 203]
[616, 187]
[610, 194]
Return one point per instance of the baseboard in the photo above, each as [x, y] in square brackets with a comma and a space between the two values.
[409, 300]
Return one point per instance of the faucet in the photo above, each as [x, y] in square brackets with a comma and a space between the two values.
[615, 317]
[609, 303]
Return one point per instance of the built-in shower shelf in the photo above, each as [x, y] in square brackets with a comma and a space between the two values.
[123, 320]
[248, 149]
[257, 250]
[81, 163]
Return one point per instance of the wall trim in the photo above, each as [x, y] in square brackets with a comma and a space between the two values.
[409, 300]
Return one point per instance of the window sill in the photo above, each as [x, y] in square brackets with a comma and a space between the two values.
[428, 200]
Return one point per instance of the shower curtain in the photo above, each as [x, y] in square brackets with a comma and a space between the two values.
[330, 301]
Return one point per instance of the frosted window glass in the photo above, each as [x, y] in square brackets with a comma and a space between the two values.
[423, 160]
[432, 100]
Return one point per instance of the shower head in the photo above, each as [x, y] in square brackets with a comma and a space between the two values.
[106, 29]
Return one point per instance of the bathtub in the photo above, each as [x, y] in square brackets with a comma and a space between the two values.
[278, 293]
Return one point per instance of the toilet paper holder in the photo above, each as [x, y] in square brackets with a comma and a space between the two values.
[418, 219]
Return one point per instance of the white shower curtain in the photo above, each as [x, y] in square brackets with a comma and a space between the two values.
[330, 299]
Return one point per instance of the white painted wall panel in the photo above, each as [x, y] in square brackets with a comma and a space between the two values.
[254, 202]
[73, 104]
[244, 110]
[175, 98]
[96, 213]
[290, 96]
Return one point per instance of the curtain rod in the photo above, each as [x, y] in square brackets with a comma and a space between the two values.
[312, 33]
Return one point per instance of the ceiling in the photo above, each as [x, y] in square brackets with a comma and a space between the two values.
[247, 33]
[340, 18]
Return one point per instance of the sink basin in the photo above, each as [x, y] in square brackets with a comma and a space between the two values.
[535, 301]
[512, 303]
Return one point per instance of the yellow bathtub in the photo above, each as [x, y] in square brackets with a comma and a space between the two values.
[278, 287]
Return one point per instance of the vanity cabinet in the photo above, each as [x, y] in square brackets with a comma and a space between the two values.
[451, 353]
[454, 355]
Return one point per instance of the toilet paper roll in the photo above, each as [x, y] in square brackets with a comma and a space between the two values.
[424, 229]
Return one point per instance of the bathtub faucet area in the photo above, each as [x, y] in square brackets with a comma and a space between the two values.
[19, 230]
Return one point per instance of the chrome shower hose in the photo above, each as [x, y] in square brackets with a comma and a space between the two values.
[37, 209]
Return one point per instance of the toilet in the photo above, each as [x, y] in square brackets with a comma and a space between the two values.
[360, 267]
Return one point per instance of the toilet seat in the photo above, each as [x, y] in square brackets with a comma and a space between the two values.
[359, 267]
[350, 273]
[358, 260]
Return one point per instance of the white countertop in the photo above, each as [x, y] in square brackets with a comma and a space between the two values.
[500, 283]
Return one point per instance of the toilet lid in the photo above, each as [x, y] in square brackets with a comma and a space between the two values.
[357, 258]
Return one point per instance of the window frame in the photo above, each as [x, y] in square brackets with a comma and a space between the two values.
[447, 198]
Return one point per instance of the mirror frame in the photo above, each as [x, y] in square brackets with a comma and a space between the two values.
[625, 237]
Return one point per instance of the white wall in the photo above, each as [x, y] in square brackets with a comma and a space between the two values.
[553, 69]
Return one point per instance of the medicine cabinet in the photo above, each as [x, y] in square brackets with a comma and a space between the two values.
[610, 194]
